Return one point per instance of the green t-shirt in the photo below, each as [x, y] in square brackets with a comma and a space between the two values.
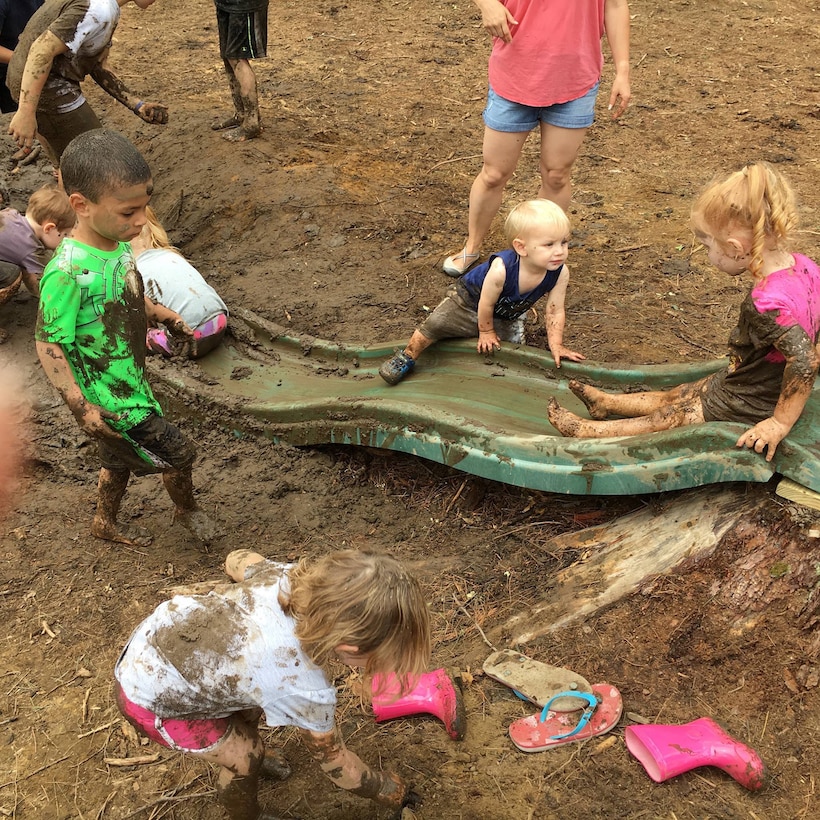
[92, 305]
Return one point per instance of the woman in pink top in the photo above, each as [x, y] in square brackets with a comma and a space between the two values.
[545, 68]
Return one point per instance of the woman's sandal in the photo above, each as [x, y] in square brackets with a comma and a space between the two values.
[601, 712]
[467, 260]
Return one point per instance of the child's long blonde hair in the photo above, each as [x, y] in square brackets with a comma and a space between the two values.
[757, 199]
[153, 234]
[363, 599]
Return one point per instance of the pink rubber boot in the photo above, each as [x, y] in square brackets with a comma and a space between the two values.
[435, 693]
[666, 751]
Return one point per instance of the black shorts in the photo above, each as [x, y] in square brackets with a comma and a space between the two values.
[242, 35]
[163, 447]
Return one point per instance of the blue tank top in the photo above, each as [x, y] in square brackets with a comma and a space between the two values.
[511, 304]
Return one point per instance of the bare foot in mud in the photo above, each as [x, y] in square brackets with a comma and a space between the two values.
[234, 121]
[128, 534]
[593, 398]
[274, 766]
[564, 421]
[198, 523]
[242, 134]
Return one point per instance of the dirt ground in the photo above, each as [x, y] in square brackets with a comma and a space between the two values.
[334, 223]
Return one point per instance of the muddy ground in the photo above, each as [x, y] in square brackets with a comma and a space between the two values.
[334, 223]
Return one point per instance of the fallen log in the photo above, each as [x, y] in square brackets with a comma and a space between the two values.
[618, 558]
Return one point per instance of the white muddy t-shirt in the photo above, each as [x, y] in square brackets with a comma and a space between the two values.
[207, 656]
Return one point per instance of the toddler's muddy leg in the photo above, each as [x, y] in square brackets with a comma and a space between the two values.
[180, 487]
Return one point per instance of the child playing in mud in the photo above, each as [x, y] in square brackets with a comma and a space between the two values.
[199, 672]
[243, 36]
[745, 220]
[91, 330]
[492, 298]
[24, 239]
[176, 284]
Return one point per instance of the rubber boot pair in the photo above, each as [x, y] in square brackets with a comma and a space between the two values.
[436, 693]
[666, 751]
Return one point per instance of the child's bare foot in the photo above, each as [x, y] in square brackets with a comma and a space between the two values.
[274, 766]
[564, 421]
[198, 523]
[592, 397]
[228, 122]
[242, 134]
[129, 534]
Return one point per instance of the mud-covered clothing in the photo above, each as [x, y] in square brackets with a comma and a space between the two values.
[555, 53]
[243, 29]
[19, 244]
[92, 305]
[172, 281]
[778, 310]
[209, 656]
[86, 27]
[14, 14]
[511, 303]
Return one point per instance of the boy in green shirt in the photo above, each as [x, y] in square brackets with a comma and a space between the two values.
[91, 329]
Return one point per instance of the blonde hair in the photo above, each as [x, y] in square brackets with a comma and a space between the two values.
[757, 199]
[534, 213]
[363, 599]
[153, 234]
[51, 204]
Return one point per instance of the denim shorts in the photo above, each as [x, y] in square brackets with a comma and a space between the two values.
[503, 115]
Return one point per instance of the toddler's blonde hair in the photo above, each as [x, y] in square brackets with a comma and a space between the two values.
[757, 199]
[153, 234]
[363, 599]
[51, 204]
[534, 213]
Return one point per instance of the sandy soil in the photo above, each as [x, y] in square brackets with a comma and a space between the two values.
[334, 223]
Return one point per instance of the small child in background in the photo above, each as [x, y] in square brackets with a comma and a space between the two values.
[200, 671]
[492, 299]
[26, 238]
[171, 281]
[746, 221]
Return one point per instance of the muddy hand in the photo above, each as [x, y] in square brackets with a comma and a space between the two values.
[764, 436]
[412, 800]
[152, 112]
[183, 338]
[92, 419]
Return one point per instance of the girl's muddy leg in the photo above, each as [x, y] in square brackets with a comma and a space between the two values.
[594, 399]
[110, 490]
[568, 424]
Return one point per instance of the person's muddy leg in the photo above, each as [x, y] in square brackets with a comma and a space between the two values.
[110, 490]
[9, 291]
[240, 755]
[665, 418]
[601, 404]
[417, 345]
[180, 487]
[235, 119]
[249, 100]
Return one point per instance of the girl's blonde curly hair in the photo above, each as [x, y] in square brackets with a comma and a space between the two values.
[757, 199]
[363, 599]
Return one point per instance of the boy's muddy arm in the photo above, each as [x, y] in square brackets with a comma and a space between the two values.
[113, 85]
[488, 340]
[23, 125]
[798, 381]
[90, 417]
[349, 772]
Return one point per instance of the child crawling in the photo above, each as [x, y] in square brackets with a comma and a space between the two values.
[745, 221]
[199, 672]
[492, 299]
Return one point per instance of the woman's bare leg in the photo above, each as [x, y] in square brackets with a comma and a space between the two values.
[559, 150]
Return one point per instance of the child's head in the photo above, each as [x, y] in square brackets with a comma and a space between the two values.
[535, 215]
[152, 236]
[108, 182]
[746, 213]
[364, 600]
[50, 211]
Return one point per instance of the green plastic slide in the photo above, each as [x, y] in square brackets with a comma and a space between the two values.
[480, 414]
